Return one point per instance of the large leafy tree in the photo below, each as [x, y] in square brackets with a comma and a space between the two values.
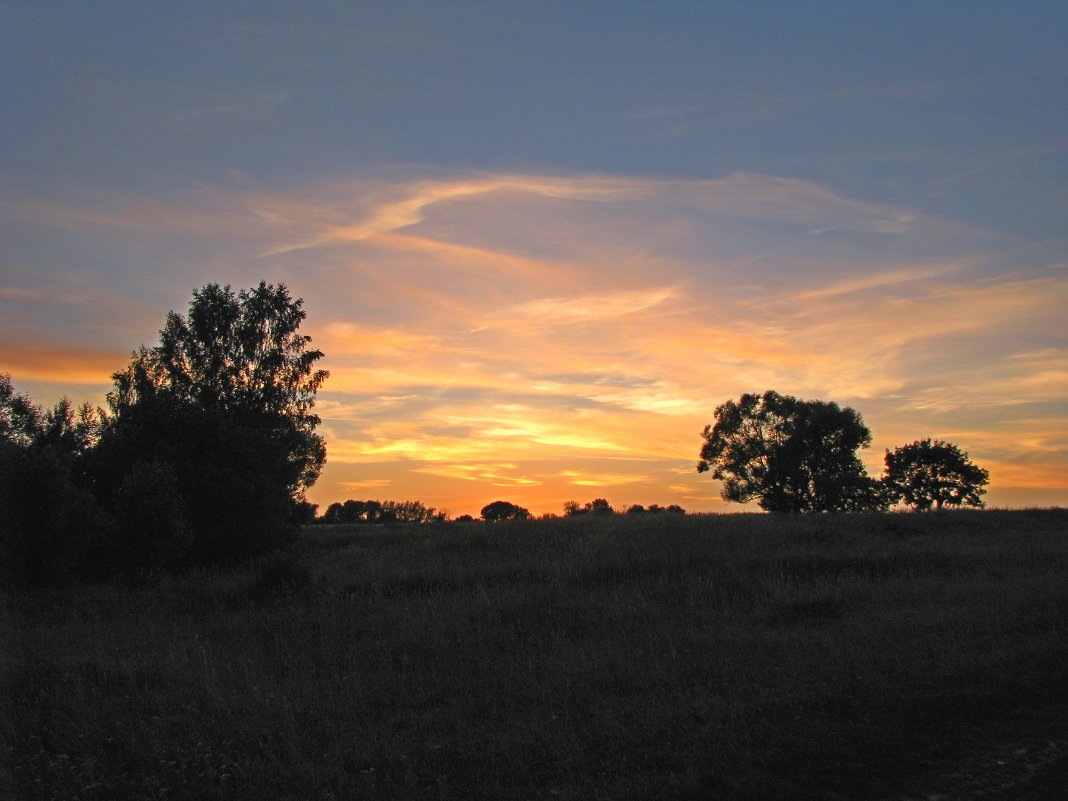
[789, 455]
[934, 473]
[224, 403]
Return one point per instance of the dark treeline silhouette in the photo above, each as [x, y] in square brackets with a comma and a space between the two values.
[202, 456]
[600, 506]
[638, 509]
[352, 511]
[793, 455]
[503, 510]
[208, 444]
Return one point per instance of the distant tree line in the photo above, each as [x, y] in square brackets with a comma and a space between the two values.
[505, 510]
[208, 444]
[202, 456]
[793, 455]
[352, 511]
[600, 506]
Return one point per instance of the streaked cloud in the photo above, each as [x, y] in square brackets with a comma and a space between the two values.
[535, 335]
[256, 101]
[588, 308]
[61, 364]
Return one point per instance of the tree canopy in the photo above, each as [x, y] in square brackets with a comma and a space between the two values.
[50, 524]
[789, 454]
[598, 506]
[224, 403]
[934, 473]
[352, 511]
[503, 510]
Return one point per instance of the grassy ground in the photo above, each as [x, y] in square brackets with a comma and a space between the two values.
[732, 657]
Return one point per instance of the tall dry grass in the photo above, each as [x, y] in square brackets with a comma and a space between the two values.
[742, 656]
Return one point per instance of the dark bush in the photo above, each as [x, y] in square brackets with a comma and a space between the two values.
[151, 533]
[49, 526]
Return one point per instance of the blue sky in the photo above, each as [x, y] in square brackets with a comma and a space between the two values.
[540, 242]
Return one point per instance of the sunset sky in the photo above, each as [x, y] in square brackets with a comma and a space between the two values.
[540, 242]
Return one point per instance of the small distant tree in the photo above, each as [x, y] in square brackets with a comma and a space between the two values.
[572, 508]
[503, 510]
[789, 455]
[599, 506]
[353, 511]
[333, 513]
[304, 512]
[409, 511]
[371, 511]
[636, 509]
[463, 519]
[933, 473]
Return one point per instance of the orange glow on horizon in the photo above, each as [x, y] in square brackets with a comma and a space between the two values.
[543, 338]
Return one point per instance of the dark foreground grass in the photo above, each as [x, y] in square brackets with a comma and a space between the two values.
[733, 657]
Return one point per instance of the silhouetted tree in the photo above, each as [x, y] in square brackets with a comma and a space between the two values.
[409, 511]
[356, 511]
[789, 455]
[224, 402]
[372, 511]
[304, 512]
[50, 524]
[464, 519]
[933, 473]
[599, 506]
[20, 418]
[503, 510]
[596, 506]
[636, 509]
[572, 508]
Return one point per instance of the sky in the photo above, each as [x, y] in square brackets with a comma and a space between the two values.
[540, 242]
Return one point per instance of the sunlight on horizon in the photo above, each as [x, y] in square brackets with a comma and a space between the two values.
[549, 338]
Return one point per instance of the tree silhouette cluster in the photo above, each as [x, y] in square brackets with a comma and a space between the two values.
[381, 512]
[600, 506]
[654, 509]
[208, 444]
[203, 455]
[792, 455]
[503, 510]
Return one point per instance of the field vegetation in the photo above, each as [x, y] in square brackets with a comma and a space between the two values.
[857, 656]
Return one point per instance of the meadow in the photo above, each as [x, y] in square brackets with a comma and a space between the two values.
[625, 657]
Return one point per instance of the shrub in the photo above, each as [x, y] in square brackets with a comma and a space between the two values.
[48, 525]
[151, 533]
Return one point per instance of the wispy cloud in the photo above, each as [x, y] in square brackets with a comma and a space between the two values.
[492, 333]
[588, 308]
[19, 294]
[255, 101]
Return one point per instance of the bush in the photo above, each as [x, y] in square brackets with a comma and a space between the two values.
[151, 534]
[231, 478]
[49, 527]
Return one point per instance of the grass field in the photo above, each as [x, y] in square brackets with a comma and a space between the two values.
[638, 657]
